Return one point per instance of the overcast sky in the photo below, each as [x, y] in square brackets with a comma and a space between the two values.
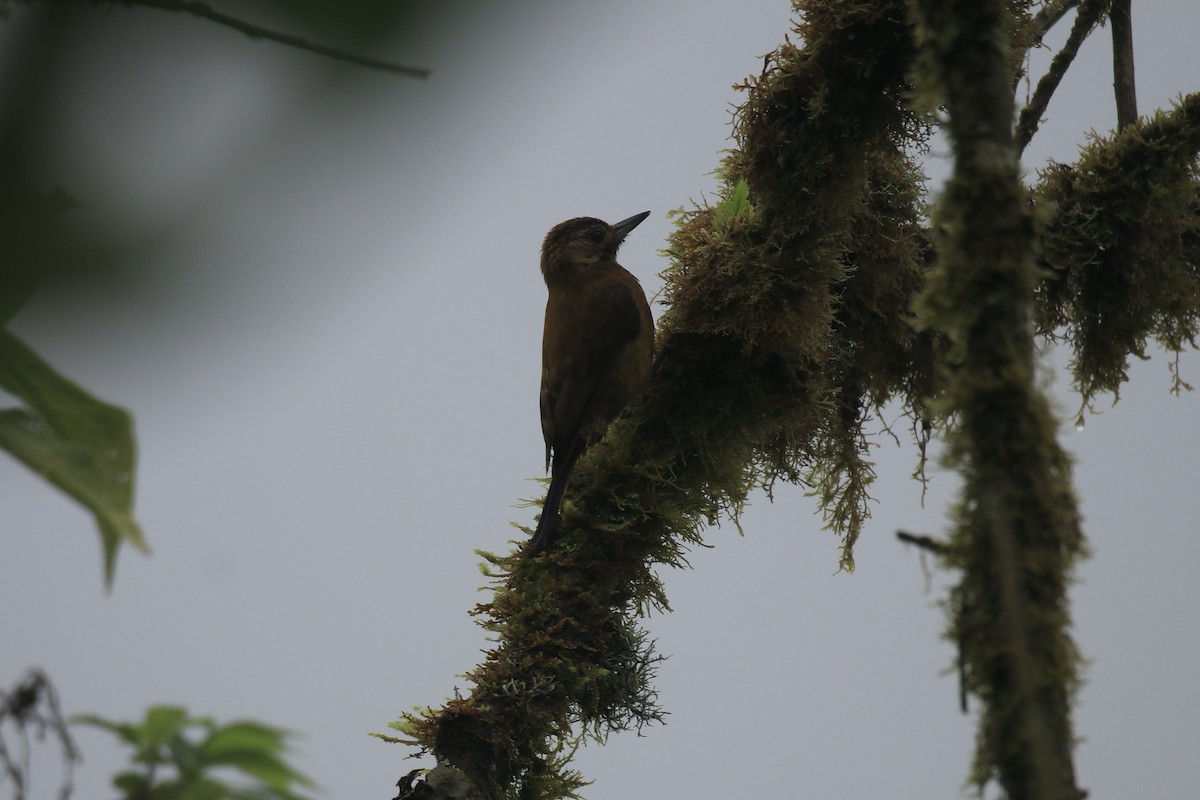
[332, 356]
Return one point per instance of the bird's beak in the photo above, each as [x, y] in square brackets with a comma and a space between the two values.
[622, 228]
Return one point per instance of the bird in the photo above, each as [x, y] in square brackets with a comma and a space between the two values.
[597, 347]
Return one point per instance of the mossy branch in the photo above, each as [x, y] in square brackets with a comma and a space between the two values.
[1121, 245]
[1017, 534]
[1089, 15]
[768, 361]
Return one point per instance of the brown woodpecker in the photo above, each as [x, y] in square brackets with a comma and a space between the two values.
[597, 346]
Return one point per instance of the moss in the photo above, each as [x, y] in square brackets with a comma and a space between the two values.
[1120, 247]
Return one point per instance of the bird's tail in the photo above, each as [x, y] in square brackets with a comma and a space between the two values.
[558, 487]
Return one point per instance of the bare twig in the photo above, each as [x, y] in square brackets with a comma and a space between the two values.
[1090, 13]
[32, 707]
[205, 11]
[1123, 84]
[929, 543]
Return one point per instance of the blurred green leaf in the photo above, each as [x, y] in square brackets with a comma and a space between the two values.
[272, 771]
[186, 757]
[80, 444]
[162, 723]
[30, 238]
[241, 737]
[132, 784]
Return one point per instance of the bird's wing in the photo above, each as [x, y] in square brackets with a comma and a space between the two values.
[586, 331]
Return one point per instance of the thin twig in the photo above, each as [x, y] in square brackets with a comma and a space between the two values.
[1123, 84]
[923, 542]
[1090, 12]
[33, 705]
[205, 11]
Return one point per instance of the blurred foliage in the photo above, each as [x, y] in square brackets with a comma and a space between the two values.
[30, 238]
[42, 64]
[30, 714]
[80, 444]
[83, 445]
[180, 757]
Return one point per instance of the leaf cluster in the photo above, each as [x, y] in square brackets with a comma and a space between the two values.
[181, 757]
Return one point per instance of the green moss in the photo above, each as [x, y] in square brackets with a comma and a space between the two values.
[1120, 248]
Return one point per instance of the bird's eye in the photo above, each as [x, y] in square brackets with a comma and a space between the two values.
[595, 235]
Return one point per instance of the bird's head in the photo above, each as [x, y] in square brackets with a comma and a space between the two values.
[583, 241]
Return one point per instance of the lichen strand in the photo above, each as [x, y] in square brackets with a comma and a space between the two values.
[1120, 247]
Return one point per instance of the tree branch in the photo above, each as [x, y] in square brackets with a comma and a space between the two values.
[1123, 84]
[1017, 528]
[1048, 17]
[1089, 14]
[205, 11]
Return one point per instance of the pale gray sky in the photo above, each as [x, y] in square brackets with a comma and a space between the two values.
[333, 368]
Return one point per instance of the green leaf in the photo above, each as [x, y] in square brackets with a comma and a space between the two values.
[162, 724]
[256, 750]
[242, 737]
[269, 769]
[130, 734]
[80, 444]
[132, 784]
[185, 756]
[736, 204]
